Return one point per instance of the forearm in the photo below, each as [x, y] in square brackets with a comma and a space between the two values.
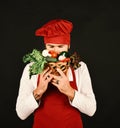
[25, 106]
[71, 94]
[37, 93]
[85, 103]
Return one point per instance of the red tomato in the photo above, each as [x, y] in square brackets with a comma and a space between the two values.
[65, 60]
[53, 54]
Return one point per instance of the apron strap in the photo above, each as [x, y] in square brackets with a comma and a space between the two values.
[38, 79]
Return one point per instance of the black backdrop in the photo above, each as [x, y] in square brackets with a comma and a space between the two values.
[95, 37]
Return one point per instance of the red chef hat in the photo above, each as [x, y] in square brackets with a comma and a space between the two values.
[56, 31]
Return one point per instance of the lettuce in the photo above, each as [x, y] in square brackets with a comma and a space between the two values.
[38, 60]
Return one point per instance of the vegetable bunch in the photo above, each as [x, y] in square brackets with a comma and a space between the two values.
[41, 59]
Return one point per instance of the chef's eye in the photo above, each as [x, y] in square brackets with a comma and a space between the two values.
[51, 46]
[61, 46]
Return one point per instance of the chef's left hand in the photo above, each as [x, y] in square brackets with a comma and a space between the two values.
[63, 84]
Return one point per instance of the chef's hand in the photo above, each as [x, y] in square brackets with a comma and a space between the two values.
[63, 84]
[45, 78]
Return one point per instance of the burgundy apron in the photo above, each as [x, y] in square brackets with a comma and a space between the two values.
[55, 110]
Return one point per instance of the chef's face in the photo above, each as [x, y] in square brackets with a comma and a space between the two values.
[57, 47]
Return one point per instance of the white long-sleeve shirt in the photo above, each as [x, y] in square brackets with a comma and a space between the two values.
[84, 99]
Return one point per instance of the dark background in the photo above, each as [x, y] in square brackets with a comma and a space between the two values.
[95, 37]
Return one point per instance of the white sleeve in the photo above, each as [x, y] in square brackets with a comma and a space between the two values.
[26, 103]
[84, 99]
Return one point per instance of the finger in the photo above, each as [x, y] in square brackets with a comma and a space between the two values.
[49, 78]
[45, 71]
[56, 77]
[54, 80]
[47, 74]
[60, 72]
[54, 83]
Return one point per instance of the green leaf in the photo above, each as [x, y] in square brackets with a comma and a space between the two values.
[38, 60]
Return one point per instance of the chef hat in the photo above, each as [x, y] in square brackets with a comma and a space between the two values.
[56, 31]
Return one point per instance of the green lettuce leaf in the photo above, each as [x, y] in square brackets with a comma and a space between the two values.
[38, 60]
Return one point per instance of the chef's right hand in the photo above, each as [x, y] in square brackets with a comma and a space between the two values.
[45, 78]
